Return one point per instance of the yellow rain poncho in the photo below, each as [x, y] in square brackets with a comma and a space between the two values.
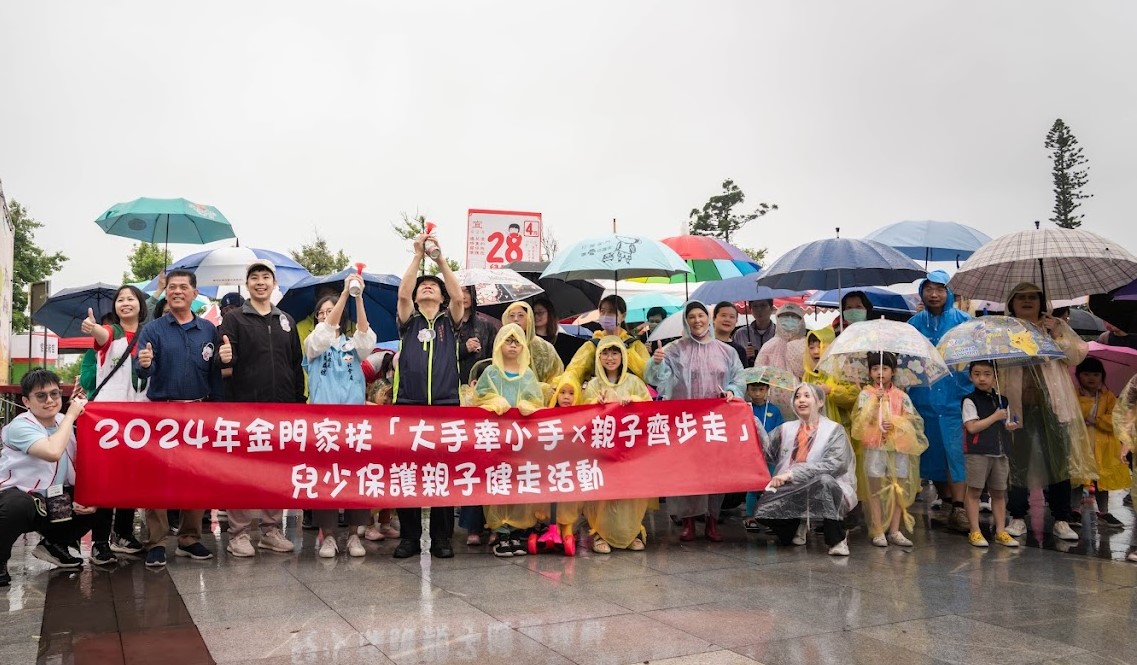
[580, 368]
[543, 358]
[840, 397]
[567, 511]
[891, 468]
[617, 521]
[1125, 420]
[1113, 473]
[498, 392]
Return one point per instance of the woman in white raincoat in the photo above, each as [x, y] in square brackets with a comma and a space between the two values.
[813, 477]
[696, 366]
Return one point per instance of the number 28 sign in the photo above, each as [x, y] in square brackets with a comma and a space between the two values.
[496, 238]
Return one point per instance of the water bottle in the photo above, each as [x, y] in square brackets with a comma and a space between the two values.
[355, 287]
[429, 245]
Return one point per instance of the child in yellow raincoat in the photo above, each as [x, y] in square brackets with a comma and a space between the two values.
[891, 432]
[1097, 404]
[840, 396]
[615, 523]
[509, 382]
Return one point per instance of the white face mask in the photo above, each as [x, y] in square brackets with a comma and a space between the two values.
[855, 315]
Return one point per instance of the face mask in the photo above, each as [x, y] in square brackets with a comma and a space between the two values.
[855, 315]
[791, 324]
[608, 323]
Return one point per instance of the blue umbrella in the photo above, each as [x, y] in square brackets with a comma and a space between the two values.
[881, 299]
[63, 312]
[738, 289]
[616, 257]
[836, 263]
[226, 266]
[931, 241]
[380, 299]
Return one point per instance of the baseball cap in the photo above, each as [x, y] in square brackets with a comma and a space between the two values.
[231, 300]
[261, 264]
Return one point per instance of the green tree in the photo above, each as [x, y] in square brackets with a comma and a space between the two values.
[718, 218]
[318, 259]
[409, 228]
[1070, 172]
[30, 264]
[146, 261]
[756, 255]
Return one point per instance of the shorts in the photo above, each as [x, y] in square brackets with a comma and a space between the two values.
[989, 472]
[876, 463]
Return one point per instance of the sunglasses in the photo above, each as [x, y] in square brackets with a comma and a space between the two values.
[44, 395]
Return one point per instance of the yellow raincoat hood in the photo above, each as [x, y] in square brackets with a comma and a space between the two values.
[825, 335]
[611, 342]
[530, 328]
[567, 381]
[507, 331]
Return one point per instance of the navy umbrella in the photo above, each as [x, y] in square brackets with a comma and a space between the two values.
[882, 300]
[931, 241]
[380, 299]
[63, 312]
[836, 263]
[738, 289]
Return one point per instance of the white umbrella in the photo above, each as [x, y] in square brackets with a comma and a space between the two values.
[500, 285]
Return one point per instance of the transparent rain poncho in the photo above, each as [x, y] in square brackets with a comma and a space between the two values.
[1053, 444]
[696, 369]
[1125, 420]
[820, 460]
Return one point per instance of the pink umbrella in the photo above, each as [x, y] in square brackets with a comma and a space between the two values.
[1120, 364]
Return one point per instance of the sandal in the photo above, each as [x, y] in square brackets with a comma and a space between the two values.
[601, 546]
[751, 525]
[474, 539]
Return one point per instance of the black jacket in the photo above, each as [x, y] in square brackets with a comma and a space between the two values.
[266, 356]
[994, 440]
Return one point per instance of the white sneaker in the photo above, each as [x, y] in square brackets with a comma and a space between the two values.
[354, 547]
[840, 549]
[1017, 528]
[880, 541]
[1132, 556]
[985, 506]
[1063, 531]
[274, 540]
[897, 538]
[799, 537]
[241, 546]
[328, 547]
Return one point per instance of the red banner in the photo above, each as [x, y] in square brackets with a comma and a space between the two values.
[235, 455]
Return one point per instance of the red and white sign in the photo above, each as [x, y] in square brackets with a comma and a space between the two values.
[190, 455]
[496, 238]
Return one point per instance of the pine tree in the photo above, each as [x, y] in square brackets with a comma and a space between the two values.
[1070, 173]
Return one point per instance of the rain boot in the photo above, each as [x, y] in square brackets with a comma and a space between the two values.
[713, 534]
[688, 533]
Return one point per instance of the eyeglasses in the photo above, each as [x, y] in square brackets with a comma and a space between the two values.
[44, 396]
[512, 341]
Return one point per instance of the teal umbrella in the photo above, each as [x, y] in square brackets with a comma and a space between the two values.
[166, 221]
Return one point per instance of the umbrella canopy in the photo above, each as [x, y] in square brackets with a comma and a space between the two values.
[917, 361]
[380, 299]
[931, 241]
[772, 376]
[1003, 339]
[166, 221]
[836, 263]
[640, 303]
[1086, 323]
[616, 257]
[1121, 314]
[709, 258]
[225, 266]
[1120, 364]
[569, 298]
[64, 311]
[738, 289]
[1127, 292]
[497, 286]
[1066, 263]
[883, 300]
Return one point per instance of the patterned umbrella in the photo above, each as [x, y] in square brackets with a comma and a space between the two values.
[771, 376]
[1066, 263]
[1002, 339]
[709, 258]
[497, 286]
[616, 257]
[917, 361]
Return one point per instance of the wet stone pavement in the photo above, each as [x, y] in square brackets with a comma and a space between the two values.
[741, 601]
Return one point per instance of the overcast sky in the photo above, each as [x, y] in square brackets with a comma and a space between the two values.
[291, 117]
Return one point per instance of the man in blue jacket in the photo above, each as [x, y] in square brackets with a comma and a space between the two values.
[940, 405]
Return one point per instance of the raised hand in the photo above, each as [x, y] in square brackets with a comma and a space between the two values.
[226, 350]
[146, 356]
[89, 323]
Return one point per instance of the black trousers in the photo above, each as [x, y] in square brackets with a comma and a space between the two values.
[785, 529]
[1057, 495]
[18, 515]
[441, 524]
[121, 518]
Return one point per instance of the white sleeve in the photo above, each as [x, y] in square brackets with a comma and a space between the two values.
[364, 342]
[320, 340]
[969, 411]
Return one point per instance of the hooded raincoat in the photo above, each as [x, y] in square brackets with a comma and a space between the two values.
[619, 521]
[580, 368]
[823, 485]
[785, 350]
[840, 396]
[1125, 421]
[693, 368]
[1053, 444]
[1098, 409]
[543, 356]
[940, 403]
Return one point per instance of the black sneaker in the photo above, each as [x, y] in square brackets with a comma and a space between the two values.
[1109, 520]
[306, 520]
[55, 554]
[1128, 500]
[126, 545]
[102, 554]
[518, 541]
[195, 551]
[407, 548]
[156, 557]
[503, 547]
[1075, 518]
[442, 549]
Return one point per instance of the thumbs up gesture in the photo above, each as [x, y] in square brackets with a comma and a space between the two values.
[89, 323]
[146, 356]
[226, 350]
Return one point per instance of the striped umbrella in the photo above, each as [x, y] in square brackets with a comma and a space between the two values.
[710, 259]
[1066, 263]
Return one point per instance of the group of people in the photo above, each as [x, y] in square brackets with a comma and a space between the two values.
[830, 444]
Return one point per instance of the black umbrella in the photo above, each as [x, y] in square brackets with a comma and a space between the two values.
[1120, 313]
[569, 298]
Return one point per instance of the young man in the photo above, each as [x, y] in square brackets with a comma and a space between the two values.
[260, 344]
[176, 354]
[761, 330]
[725, 319]
[427, 374]
[38, 456]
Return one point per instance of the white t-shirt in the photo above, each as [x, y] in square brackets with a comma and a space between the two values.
[969, 411]
[19, 469]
